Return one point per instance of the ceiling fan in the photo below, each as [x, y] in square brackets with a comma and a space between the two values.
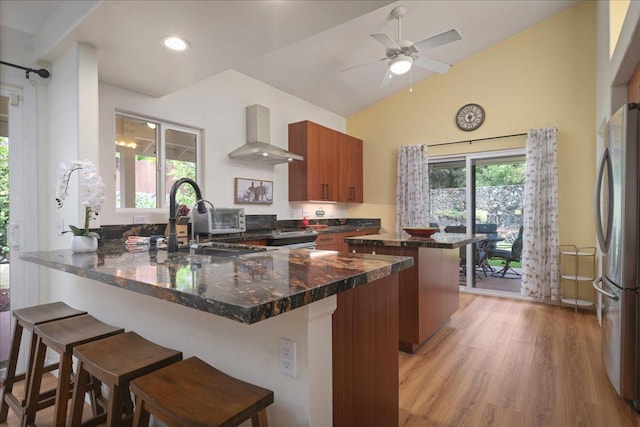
[402, 54]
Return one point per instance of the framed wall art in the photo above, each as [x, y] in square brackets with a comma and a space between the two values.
[253, 191]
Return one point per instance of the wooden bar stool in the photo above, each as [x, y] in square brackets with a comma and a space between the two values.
[192, 393]
[116, 361]
[61, 336]
[27, 318]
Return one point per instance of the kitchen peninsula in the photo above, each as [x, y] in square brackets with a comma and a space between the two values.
[340, 309]
[429, 291]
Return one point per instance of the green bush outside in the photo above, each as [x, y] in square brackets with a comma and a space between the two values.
[4, 195]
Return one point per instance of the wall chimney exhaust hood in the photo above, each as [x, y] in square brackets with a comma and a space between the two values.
[258, 148]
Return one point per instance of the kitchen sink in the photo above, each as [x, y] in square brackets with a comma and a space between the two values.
[224, 249]
[224, 252]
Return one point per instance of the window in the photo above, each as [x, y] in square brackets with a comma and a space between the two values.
[150, 156]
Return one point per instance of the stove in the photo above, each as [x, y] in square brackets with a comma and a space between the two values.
[293, 238]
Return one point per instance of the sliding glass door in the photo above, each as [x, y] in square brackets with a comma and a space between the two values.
[483, 193]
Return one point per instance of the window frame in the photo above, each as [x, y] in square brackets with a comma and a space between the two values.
[162, 126]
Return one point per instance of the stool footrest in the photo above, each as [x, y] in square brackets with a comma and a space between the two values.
[23, 376]
[95, 421]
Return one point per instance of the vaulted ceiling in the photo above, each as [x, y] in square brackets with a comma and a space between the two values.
[297, 46]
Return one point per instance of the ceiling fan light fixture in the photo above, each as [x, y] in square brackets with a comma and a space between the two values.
[175, 43]
[400, 64]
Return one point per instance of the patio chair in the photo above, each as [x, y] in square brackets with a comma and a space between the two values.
[514, 255]
[484, 248]
[479, 250]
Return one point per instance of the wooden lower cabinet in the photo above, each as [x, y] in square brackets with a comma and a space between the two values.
[365, 357]
[254, 242]
[428, 291]
[335, 241]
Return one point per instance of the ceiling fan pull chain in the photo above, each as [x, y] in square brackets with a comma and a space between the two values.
[410, 80]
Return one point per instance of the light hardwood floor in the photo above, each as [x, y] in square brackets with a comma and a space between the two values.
[504, 363]
[44, 418]
[510, 363]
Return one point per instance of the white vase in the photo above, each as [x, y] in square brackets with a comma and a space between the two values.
[83, 244]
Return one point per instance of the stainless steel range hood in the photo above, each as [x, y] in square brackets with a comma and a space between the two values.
[258, 148]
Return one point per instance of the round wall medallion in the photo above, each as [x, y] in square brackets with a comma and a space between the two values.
[470, 117]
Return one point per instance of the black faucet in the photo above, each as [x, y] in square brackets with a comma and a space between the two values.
[172, 241]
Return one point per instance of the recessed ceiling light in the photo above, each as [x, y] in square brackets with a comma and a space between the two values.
[175, 43]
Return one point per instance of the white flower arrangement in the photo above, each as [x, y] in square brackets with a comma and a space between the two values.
[91, 191]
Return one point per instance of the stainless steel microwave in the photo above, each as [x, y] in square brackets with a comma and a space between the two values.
[220, 221]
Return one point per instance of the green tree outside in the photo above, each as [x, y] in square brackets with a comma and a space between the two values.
[4, 195]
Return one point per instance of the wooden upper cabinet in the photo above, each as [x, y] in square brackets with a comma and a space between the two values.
[331, 165]
[350, 182]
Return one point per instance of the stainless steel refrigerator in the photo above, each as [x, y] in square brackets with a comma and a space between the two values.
[617, 225]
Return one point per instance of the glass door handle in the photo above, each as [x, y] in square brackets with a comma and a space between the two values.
[13, 234]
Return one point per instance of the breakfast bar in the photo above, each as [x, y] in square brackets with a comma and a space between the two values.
[339, 309]
[429, 291]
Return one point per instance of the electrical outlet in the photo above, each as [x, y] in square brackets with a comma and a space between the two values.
[288, 357]
[60, 228]
[139, 219]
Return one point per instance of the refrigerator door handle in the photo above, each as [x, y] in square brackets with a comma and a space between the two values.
[603, 240]
[602, 291]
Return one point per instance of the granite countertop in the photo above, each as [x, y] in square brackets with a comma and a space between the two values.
[247, 288]
[347, 227]
[437, 240]
[260, 235]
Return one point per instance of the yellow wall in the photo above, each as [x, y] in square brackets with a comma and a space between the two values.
[617, 12]
[543, 76]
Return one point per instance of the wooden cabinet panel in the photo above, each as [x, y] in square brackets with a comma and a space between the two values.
[633, 86]
[316, 177]
[365, 359]
[329, 241]
[350, 182]
[254, 242]
[332, 165]
[429, 291]
[335, 241]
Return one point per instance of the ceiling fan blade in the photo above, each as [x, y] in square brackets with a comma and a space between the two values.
[432, 64]
[386, 80]
[439, 40]
[363, 64]
[386, 41]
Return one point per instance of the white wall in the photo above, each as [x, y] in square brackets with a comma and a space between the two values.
[216, 105]
[247, 352]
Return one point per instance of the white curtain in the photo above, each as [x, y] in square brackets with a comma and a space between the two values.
[412, 195]
[540, 232]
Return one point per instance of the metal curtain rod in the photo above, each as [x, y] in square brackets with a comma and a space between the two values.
[41, 72]
[469, 141]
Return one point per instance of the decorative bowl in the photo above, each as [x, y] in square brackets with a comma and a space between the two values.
[421, 231]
